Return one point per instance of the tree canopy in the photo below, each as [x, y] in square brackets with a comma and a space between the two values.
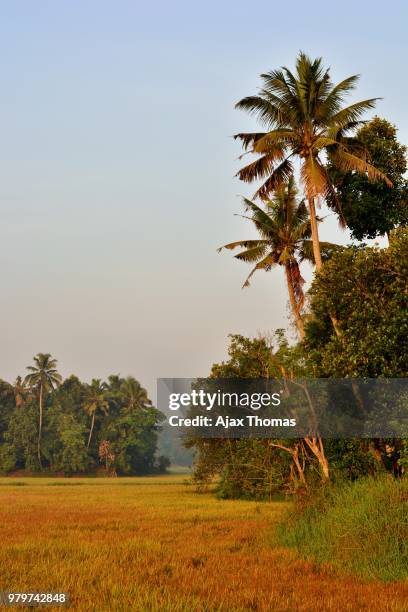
[371, 209]
[77, 418]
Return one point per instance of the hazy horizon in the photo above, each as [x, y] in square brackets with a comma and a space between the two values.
[117, 172]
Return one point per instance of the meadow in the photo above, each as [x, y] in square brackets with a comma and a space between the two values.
[155, 544]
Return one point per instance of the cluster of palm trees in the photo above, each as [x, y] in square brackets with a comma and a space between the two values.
[304, 121]
[43, 378]
[99, 393]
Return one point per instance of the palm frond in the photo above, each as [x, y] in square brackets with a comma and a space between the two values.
[248, 139]
[352, 112]
[259, 168]
[277, 138]
[265, 264]
[334, 98]
[267, 113]
[252, 254]
[242, 243]
[278, 176]
[348, 162]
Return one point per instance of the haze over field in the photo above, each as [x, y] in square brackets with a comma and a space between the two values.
[116, 166]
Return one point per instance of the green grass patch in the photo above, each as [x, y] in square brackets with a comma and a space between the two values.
[359, 527]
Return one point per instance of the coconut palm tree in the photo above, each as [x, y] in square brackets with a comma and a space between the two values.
[42, 378]
[95, 400]
[304, 119]
[134, 395]
[284, 228]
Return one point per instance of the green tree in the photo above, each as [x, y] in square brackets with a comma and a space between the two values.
[7, 404]
[246, 468]
[373, 209]
[284, 228]
[20, 447]
[366, 289]
[73, 456]
[133, 440]
[43, 377]
[95, 400]
[133, 395]
[304, 119]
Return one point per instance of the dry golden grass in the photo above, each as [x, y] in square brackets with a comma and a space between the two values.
[153, 544]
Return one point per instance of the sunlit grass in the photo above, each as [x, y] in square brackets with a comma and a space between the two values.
[154, 544]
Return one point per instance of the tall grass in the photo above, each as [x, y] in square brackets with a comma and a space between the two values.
[359, 527]
[154, 545]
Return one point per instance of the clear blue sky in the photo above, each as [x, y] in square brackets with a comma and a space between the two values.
[117, 164]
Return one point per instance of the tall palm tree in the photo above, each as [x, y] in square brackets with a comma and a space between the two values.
[42, 377]
[95, 400]
[304, 119]
[134, 395]
[284, 228]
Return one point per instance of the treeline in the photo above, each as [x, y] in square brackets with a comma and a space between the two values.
[67, 426]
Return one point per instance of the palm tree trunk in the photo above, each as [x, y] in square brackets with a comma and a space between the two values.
[40, 426]
[315, 234]
[318, 257]
[293, 303]
[91, 430]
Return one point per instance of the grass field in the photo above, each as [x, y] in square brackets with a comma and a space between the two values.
[153, 544]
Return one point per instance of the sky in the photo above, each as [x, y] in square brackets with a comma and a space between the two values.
[117, 168]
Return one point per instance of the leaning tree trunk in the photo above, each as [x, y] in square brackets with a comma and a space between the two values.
[293, 303]
[40, 421]
[315, 234]
[315, 443]
[91, 430]
[294, 452]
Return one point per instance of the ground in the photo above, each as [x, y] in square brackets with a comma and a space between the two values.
[154, 544]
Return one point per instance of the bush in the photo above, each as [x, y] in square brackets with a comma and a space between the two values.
[359, 527]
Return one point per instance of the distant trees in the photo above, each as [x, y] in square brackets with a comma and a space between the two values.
[76, 419]
[43, 377]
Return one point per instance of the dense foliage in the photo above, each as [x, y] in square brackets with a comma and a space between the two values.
[366, 289]
[370, 208]
[103, 426]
